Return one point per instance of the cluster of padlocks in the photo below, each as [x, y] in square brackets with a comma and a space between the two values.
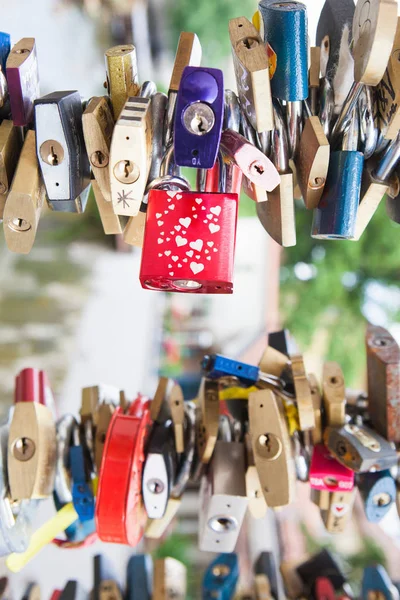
[120, 471]
[319, 578]
[325, 131]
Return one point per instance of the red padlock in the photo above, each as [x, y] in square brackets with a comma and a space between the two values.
[120, 513]
[190, 237]
[32, 385]
[324, 589]
[326, 473]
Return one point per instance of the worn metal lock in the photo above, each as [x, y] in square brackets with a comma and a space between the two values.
[373, 32]
[15, 526]
[120, 518]
[159, 470]
[376, 582]
[189, 241]
[302, 390]
[252, 73]
[61, 150]
[31, 451]
[169, 579]
[82, 492]
[334, 394]
[388, 93]
[336, 214]
[208, 419]
[312, 162]
[334, 16]
[277, 214]
[223, 498]
[360, 448]
[220, 578]
[139, 577]
[10, 149]
[23, 81]
[257, 504]
[25, 200]
[271, 447]
[378, 491]
[328, 474]
[98, 125]
[383, 360]
[198, 117]
[188, 54]
[122, 75]
[130, 156]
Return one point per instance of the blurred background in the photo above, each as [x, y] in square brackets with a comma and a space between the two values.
[74, 306]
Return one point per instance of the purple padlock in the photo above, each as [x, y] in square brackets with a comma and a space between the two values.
[198, 117]
[23, 81]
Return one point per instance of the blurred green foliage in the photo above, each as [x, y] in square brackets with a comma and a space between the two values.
[324, 302]
[210, 21]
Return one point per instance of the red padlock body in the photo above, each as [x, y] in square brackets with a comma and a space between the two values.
[326, 473]
[120, 512]
[324, 589]
[189, 242]
[30, 386]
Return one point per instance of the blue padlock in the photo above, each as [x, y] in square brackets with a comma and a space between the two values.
[216, 365]
[285, 29]
[5, 47]
[82, 493]
[139, 578]
[375, 579]
[378, 491]
[79, 530]
[221, 578]
[336, 214]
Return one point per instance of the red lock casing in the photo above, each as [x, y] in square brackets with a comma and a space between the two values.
[189, 242]
[326, 473]
[32, 385]
[120, 512]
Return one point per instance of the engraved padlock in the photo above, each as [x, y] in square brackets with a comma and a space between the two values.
[198, 117]
[189, 238]
[336, 214]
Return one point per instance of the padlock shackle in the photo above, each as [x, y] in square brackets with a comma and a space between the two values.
[158, 108]
[280, 142]
[232, 111]
[368, 131]
[389, 161]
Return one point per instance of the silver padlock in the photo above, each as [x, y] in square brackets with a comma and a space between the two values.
[223, 498]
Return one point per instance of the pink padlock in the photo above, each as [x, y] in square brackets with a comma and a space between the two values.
[326, 473]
